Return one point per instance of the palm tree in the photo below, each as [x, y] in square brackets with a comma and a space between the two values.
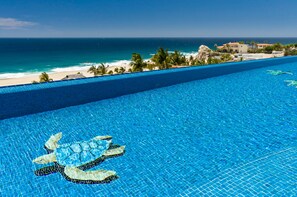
[228, 48]
[177, 58]
[137, 63]
[226, 57]
[102, 69]
[93, 70]
[254, 45]
[162, 59]
[120, 70]
[44, 77]
[150, 66]
[195, 62]
[190, 61]
[212, 60]
[99, 70]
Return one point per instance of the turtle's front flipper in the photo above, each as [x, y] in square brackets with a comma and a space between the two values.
[44, 159]
[52, 142]
[113, 152]
[76, 174]
[106, 137]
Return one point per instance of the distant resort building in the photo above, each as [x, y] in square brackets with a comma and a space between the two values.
[238, 47]
[74, 76]
[263, 45]
[235, 47]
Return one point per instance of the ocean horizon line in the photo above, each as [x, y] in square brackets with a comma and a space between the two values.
[36, 55]
[136, 37]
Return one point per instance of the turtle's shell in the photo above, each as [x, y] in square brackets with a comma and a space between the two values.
[80, 153]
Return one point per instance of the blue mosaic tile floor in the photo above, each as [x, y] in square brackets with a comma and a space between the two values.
[272, 175]
[177, 138]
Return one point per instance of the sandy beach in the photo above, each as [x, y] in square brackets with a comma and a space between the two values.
[60, 73]
[56, 76]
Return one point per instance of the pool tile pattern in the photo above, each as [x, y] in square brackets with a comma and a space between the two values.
[272, 175]
[176, 138]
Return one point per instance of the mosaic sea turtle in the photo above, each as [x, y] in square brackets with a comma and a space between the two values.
[291, 82]
[278, 72]
[72, 157]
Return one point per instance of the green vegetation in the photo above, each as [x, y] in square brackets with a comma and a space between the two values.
[43, 77]
[195, 62]
[93, 70]
[150, 66]
[165, 60]
[290, 49]
[291, 52]
[162, 59]
[275, 47]
[137, 63]
[212, 60]
[226, 49]
[226, 57]
[99, 70]
[120, 70]
[177, 59]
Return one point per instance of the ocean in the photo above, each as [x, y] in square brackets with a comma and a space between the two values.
[25, 56]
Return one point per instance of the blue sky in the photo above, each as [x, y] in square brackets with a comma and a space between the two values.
[148, 18]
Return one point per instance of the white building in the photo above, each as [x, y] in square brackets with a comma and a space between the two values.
[262, 45]
[235, 47]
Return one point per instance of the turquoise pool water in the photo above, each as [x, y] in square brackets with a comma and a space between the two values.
[177, 138]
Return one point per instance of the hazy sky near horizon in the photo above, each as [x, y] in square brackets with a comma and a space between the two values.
[148, 18]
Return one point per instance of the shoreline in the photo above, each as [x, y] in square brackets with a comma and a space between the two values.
[59, 73]
[56, 76]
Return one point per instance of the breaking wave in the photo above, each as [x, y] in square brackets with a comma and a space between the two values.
[79, 67]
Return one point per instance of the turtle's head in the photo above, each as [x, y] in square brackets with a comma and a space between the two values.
[44, 159]
[57, 136]
[52, 142]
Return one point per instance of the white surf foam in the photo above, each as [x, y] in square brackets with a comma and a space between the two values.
[187, 54]
[80, 67]
[72, 68]
[87, 65]
[16, 75]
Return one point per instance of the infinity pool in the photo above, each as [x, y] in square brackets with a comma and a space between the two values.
[179, 139]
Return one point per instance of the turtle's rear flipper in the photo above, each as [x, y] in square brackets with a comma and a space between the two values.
[96, 176]
[114, 152]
